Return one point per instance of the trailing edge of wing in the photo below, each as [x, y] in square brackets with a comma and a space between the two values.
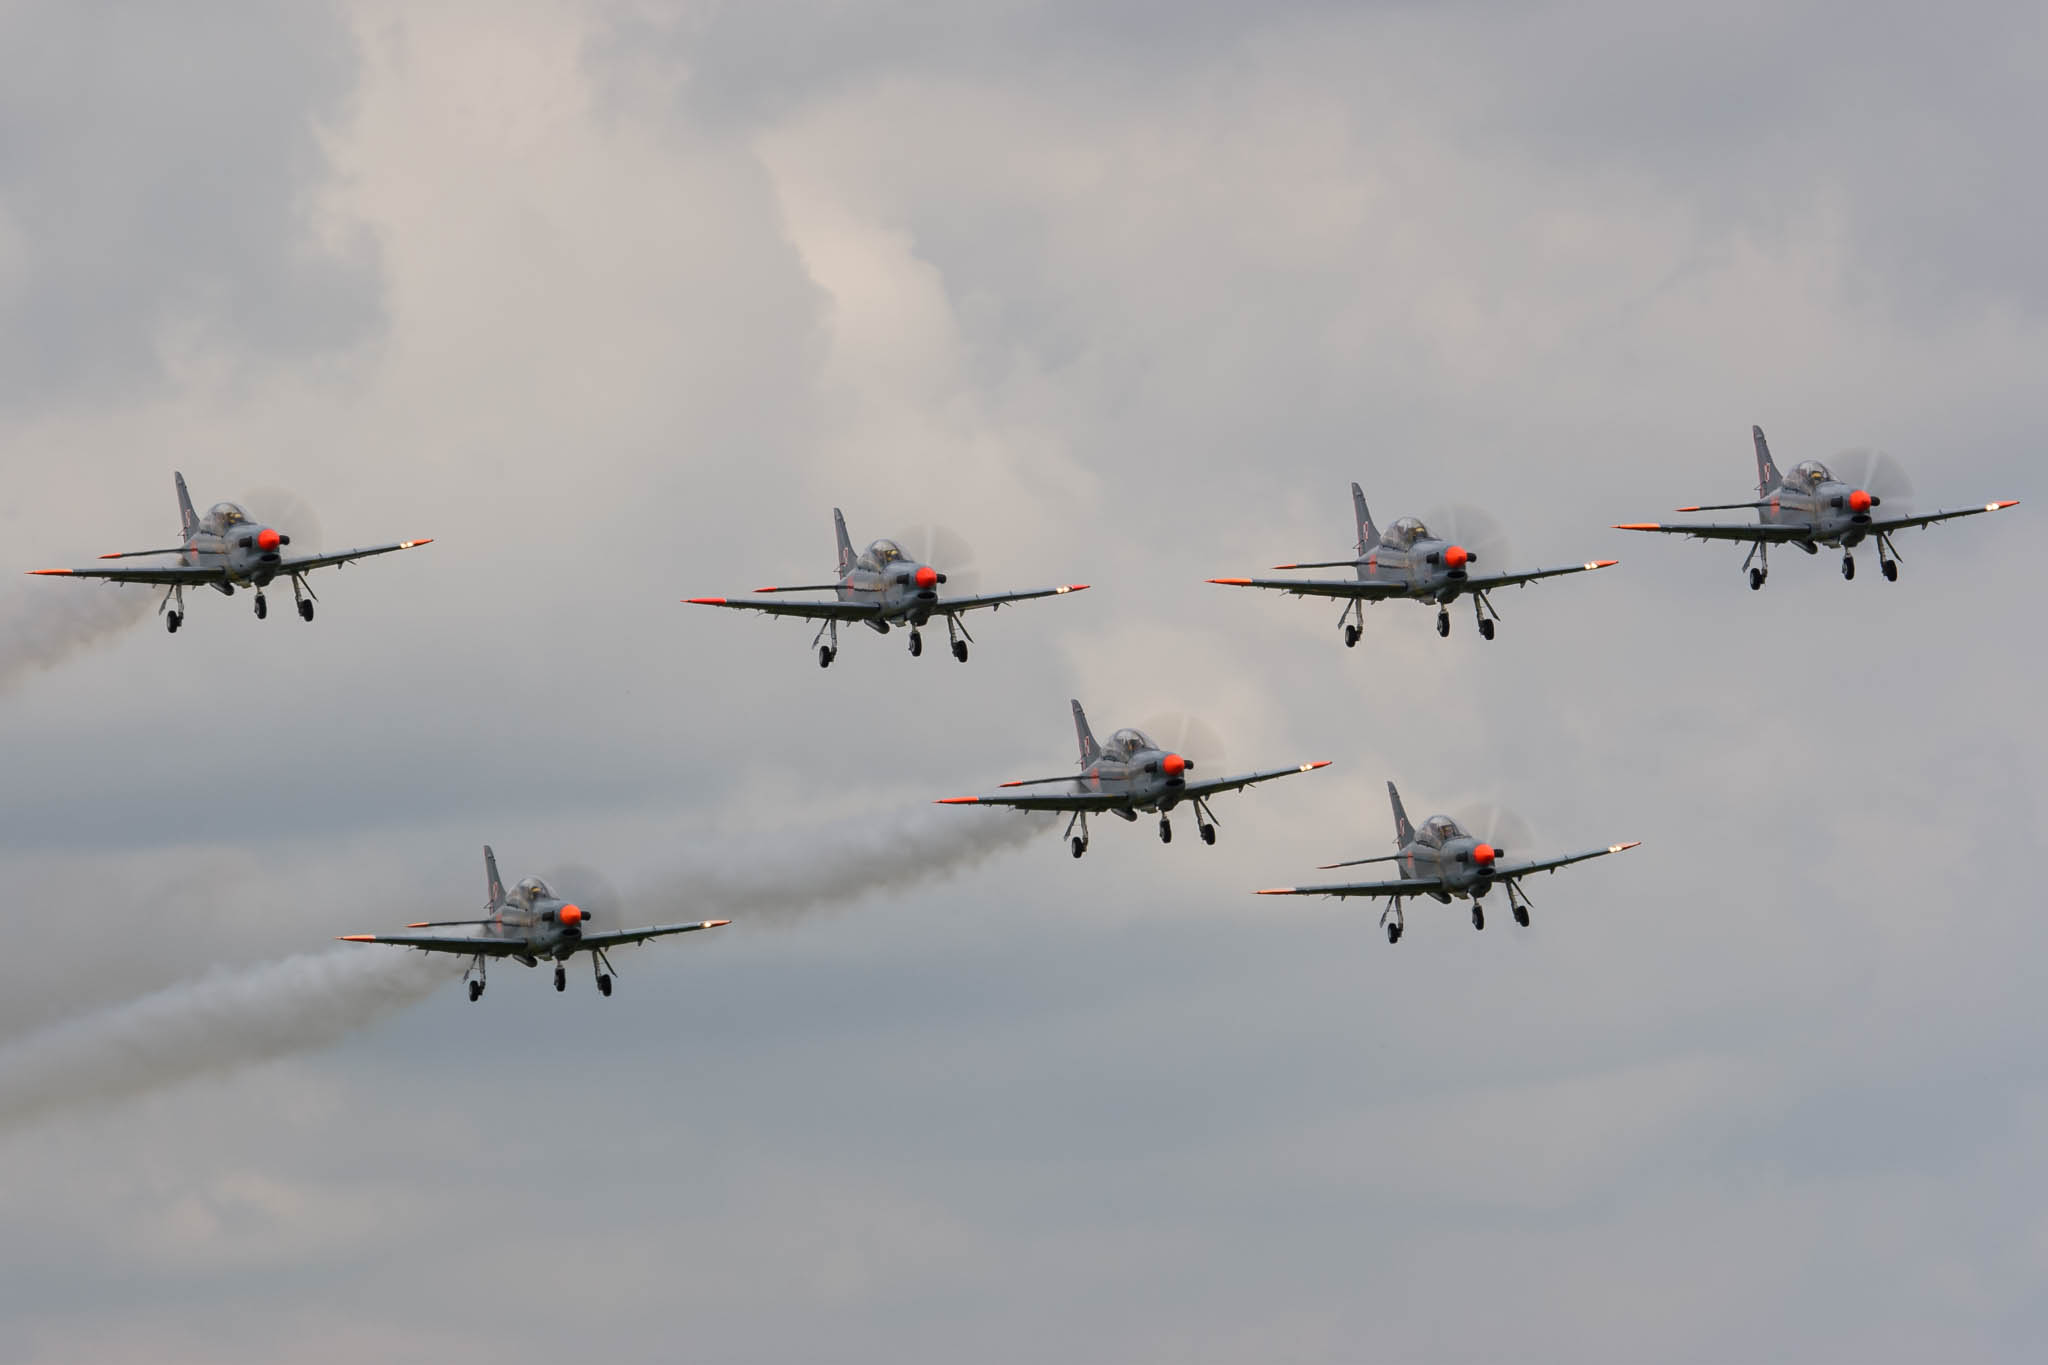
[1409, 887]
[997, 599]
[1318, 587]
[1710, 530]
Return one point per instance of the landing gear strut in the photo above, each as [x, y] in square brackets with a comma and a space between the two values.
[1518, 903]
[1482, 611]
[827, 653]
[476, 985]
[1761, 554]
[302, 595]
[1395, 920]
[1205, 821]
[1887, 558]
[1078, 842]
[1353, 629]
[598, 963]
[957, 633]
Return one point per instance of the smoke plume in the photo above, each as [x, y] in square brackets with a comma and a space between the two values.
[45, 623]
[234, 1018]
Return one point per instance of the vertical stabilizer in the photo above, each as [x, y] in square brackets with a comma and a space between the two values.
[1368, 534]
[491, 876]
[1090, 750]
[186, 516]
[1404, 833]
[845, 544]
[1767, 475]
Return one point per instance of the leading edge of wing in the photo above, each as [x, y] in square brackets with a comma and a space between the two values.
[1318, 587]
[1410, 887]
[817, 611]
[322, 561]
[621, 936]
[1222, 784]
[444, 943]
[997, 599]
[1721, 530]
[1052, 801]
[1552, 864]
[1909, 523]
[1516, 580]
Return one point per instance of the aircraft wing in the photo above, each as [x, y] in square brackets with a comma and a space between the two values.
[1483, 581]
[619, 937]
[1414, 886]
[997, 599]
[162, 574]
[1320, 587]
[1081, 801]
[467, 945]
[1724, 530]
[304, 562]
[1511, 870]
[1231, 784]
[1908, 523]
[815, 611]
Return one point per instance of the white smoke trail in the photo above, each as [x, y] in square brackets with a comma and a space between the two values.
[45, 623]
[234, 1018]
[221, 1021]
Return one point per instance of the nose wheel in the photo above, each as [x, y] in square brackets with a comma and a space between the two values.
[561, 977]
[1443, 621]
[1478, 918]
[916, 644]
[1165, 830]
[262, 606]
[1848, 565]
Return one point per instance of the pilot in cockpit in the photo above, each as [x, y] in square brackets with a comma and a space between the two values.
[1811, 473]
[226, 514]
[1440, 829]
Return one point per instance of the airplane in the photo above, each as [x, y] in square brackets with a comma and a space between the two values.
[1441, 860]
[527, 924]
[224, 550]
[1810, 509]
[1132, 774]
[879, 588]
[1407, 561]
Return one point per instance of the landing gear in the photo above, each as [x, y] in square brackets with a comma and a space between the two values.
[1443, 621]
[916, 643]
[825, 655]
[1079, 845]
[960, 650]
[1519, 903]
[1522, 915]
[1848, 565]
[1890, 569]
[1078, 842]
[1393, 933]
[1205, 821]
[604, 983]
[1165, 830]
[1353, 621]
[1485, 629]
[172, 620]
[561, 977]
[1395, 921]
[1756, 579]
[305, 611]
[302, 595]
[262, 606]
[1208, 832]
[1887, 558]
[476, 990]
[476, 985]
[1758, 562]
[957, 633]
[598, 962]
[1478, 917]
[1351, 637]
[1482, 612]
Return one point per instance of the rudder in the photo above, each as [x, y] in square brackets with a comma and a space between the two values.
[1767, 475]
[1090, 750]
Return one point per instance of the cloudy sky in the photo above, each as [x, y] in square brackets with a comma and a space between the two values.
[617, 301]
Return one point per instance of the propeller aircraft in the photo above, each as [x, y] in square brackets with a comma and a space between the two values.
[528, 923]
[1410, 561]
[879, 588]
[1442, 859]
[1129, 775]
[224, 550]
[1816, 506]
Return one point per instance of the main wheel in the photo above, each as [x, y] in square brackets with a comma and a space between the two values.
[1080, 846]
[1393, 933]
[306, 609]
[561, 978]
[1756, 579]
[1485, 628]
[604, 983]
[960, 650]
[1351, 637]
[1478, 918]
[172, 620]
[1890, 568]
[824, 656]
[1443, 623]
[262, 606]
[476, 988]
[1208, 833]
[916, 644]
[1165, 830]
[1848, 566]
[1522, 915]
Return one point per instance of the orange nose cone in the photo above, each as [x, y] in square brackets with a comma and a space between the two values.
[1484, 854]
[1859, 501]
[1173, 765]
[927, 576]
[267, 539]
[572, 914]
[1457, 556]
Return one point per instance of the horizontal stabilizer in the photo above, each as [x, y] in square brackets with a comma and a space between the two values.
[1322, 564]
[802, 587]
[1359, 862]
[1037, 781]
[137, 554]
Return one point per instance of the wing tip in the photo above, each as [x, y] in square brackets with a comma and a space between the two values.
[957, 801]
[706, 601]
[59, 572]
[1277, 891]
[1601, 563]
[2001, 506]
[415, 544]
[714, 924]
[1071, 587]
[1623, 848]
[1318, 763]
[355, 938]
[421, 924]
[1235, 582]
[1640, 525]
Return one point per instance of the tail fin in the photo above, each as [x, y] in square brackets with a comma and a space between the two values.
[1767, 475]
[1090, 750]
[186, 516]
[1368, 534]
[491, 875]
[845, 545]
[1404, 833]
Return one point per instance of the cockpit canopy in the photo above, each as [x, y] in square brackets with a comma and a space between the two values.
[1438, 830]
[531, 889]
[1125, 743]
[226, 514]
[1405, 532]
[1810, 474]
[881, 555]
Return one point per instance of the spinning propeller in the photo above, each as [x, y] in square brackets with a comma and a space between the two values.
[947, 551]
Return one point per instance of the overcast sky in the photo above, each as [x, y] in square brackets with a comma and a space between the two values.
[617, 301]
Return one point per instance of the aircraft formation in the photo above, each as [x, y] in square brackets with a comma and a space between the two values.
[886, 588]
